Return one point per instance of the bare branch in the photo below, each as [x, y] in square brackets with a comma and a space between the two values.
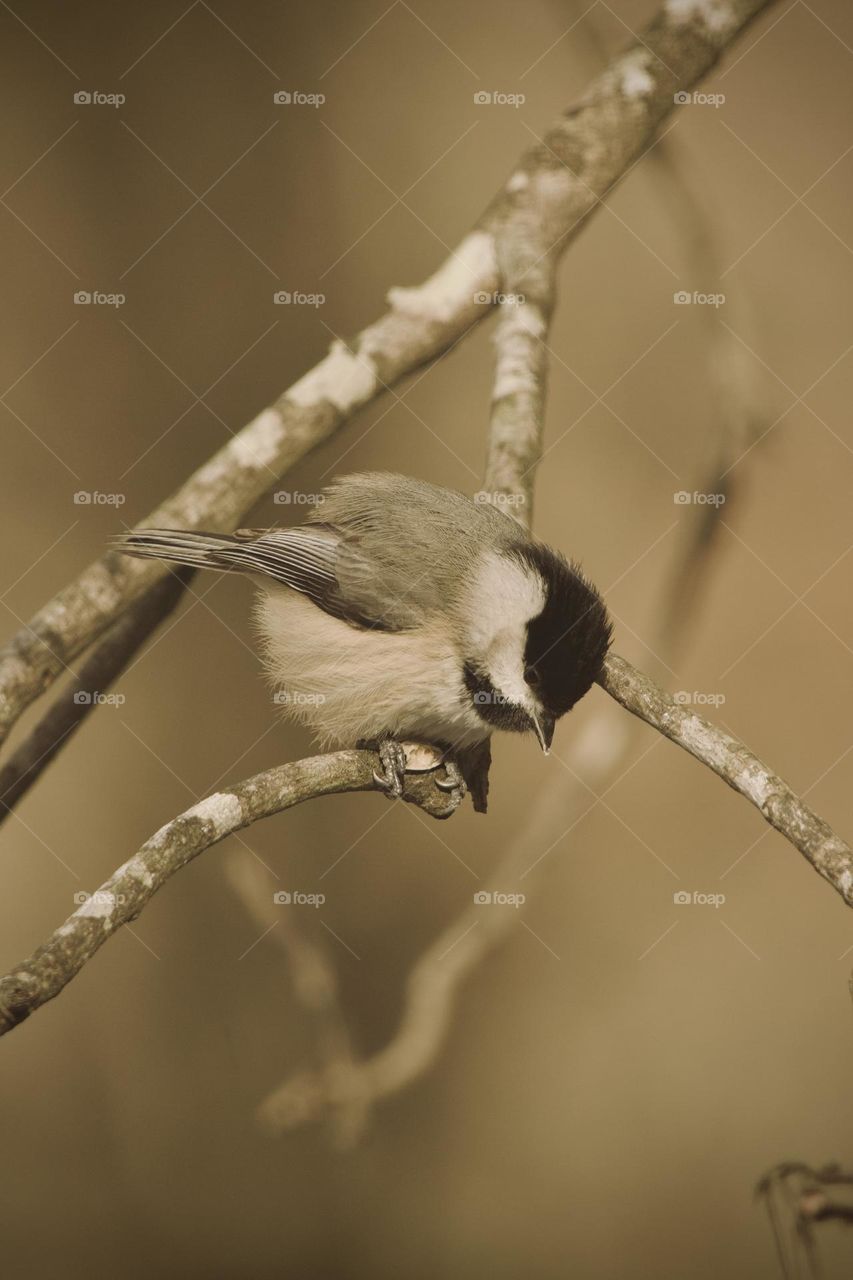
[518, 397]
[62, 720]
[732, 761]
[554, 188]
[796, 1198]
[122, 897]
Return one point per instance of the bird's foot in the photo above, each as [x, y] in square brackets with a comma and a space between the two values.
[452, 780]
[399, 757]
[392, 757]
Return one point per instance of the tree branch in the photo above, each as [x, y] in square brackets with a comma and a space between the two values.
[64, 717]
[123, 896]
[554, 188]
[732, 761]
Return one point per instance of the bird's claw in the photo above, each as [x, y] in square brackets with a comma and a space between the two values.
[452, 780]
[392, 757]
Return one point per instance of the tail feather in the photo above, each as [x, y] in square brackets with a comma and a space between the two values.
[179, 546]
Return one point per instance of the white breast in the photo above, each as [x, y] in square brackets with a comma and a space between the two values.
[347, 683]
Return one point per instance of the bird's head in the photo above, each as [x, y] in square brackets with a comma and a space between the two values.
[538, 633]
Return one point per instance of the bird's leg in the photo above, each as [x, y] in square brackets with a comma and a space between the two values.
[392, 757]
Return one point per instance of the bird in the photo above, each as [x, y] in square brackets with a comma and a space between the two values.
[402, 611]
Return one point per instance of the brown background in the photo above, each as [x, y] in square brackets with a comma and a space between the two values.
[596, 1114]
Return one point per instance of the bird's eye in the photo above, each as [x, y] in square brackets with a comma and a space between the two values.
[533, 677]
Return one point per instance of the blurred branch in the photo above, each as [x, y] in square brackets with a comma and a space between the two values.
[64, 717]
[555, 187]
[315, 986]
[123, 896]
[796, 1198]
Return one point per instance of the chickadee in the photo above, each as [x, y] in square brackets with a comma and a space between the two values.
[401, 610]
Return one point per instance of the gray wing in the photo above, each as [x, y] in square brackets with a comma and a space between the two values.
[381, 550]
[406, 547]
[308, 559]
[333, 569]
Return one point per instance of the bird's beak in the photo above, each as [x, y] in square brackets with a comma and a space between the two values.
[543, 725]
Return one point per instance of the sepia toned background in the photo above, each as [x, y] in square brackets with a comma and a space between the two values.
[620, 1071]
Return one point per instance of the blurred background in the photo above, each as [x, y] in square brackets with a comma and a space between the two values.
[621, 1069]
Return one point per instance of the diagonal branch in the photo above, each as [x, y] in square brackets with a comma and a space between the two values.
[553, 189]
[65, 716]
[732, 761]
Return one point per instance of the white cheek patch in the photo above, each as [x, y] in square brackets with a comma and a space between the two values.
[504, 597]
